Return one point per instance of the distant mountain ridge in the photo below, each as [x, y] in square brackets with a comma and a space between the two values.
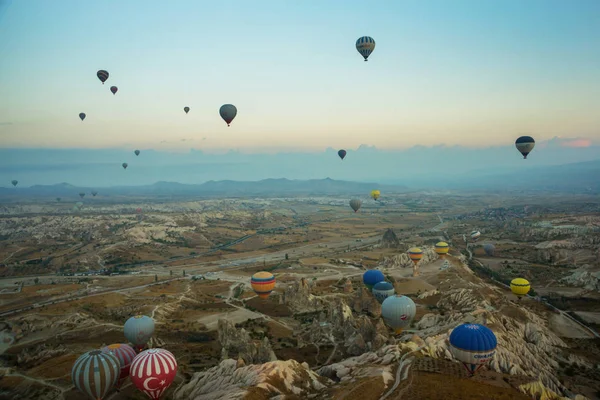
[265, 188]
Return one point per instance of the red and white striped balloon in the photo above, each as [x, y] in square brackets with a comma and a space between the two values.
[125, 354]
[152, 371]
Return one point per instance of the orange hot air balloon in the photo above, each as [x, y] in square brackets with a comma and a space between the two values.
[415, 254]
[263, 283]
[442, 248]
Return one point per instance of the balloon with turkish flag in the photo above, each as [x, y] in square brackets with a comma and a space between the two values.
[152, 372]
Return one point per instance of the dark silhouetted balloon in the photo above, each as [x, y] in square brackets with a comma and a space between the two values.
[525, 145]
[342, 154]
[82, 116]
[102, 75]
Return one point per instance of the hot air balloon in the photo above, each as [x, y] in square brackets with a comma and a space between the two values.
[474, 345]
[81, 194]
[114, 89]
[263, 284]
[355, 204]
[138, 210]
[102, 75]
[442, 248]
[475, 235]
[372, 277]
[125, 355]
[137, 152]
[152, 372]
[187, 110]
[375, 194]
[342, 154]
[383, 290]
[95, 373]
[398, 312]
[525, 144]
[58, 199]
[79, 205]
[94, 193]
[138, 330]
[124, 165]
[82, 116]
[489, 249]
[228, 112]
[415, 254]
[14, 182]
[520, 287]
[365, 46]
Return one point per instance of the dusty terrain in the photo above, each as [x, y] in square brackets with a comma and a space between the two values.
[71, 280]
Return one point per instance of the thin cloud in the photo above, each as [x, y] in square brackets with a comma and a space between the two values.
[577, 143]
[5, 123]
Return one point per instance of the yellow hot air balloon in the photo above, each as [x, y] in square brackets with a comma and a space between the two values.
[520, 287]
[375, 194]
[442, 248]
[263, 283]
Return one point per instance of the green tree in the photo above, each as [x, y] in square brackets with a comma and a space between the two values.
[286, 256]
[36, 280]
[155, 278]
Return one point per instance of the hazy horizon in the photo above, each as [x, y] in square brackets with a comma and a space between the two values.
[102, 167]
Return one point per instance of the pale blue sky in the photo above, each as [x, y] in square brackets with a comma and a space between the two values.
[474, 73]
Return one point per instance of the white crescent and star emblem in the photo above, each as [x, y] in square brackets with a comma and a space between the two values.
[147, 381]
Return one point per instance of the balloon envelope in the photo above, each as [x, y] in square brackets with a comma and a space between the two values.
[415, 254]
[475, 235]
[398, 312]
[489, 249]
[137, 152]
[365, 46]
[152, 371]
[124, 165]
[520, 287]
[371, 277]
[14, 182]
[355, 204]
[375, 194]
[442, 248]
[525, 145]
[124, 354]
[383, 290]
[228, 112]
[263, 283]
[95, 373]
[114, 89]
[186, 109]
[102, 75]
[138, 330]
[473, 344]
[342, 154]
[82, 116]
[82, 195]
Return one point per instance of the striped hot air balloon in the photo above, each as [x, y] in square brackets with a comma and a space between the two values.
[525, 145]
[263, 284]
[153, 371]
[95, 373]
[441, 249]
[125, 354]
[520, 287]
[365, 46]
[383, 290]
[102, 75]
[415, 254]
[138, 330]
[474, 345]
